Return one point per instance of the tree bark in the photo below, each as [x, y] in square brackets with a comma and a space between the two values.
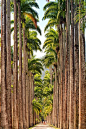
[76, 85]
[82, 81]
[71, 119]
[54, 104]
[24, 79]
[61, 83]
[27, 90]
[55, 99]
[67, 67]
[64, 55]
[9, 108]
[15, 70]
[4, 122]
[20, 70]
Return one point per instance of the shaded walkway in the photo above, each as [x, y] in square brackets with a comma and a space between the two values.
[42, 126]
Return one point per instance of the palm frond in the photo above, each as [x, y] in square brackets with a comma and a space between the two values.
[34, 4]
[51, 10]
[49, 4]
[51, 23]
[32, 18]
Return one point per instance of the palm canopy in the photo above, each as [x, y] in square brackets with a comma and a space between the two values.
[55, 13]
[82, 14]
[50, 45]
[50, 58]
[35, 65]
[52, 38]
[30, 25]
[27, 10]
[33, 42]
[47, 95]
[36, 105]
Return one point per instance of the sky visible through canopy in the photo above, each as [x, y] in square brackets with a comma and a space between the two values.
[42, 24]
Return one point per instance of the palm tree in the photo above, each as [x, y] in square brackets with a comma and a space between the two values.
[52, 39]
[55, 13]
[4, 122]
[82, 82]
[8, 67]
[15, 69]
[26, 9]
[76, 85]
[34, 65]
[71, 119]
[32, 44]
[20, 69]
[67, 67]
[48, 60]
[24, 76]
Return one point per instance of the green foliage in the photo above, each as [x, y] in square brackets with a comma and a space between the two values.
[55, 13]
[35, 65]
[36, 105]
[52, 38]
[44, 94]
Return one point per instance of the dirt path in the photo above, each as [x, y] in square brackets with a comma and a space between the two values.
[42, 126]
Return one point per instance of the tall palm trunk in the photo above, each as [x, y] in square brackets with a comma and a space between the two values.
[67, 85]
[54, 104]
[20, 69]
[29, 94]
[55, 99]
[4, 122]
[30, 109]
[51, 84]
[82, 82]
[76, 85]
[64, 54]
[15, 70]
[59, 79]
[61, 83]
[71, 120]
[27, 91]
[24, 79]
[9, 67]
[31, 97]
